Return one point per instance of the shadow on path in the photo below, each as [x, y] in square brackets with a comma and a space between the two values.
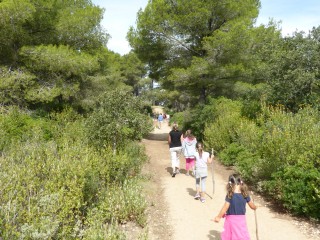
[214, 235]
[157, 136]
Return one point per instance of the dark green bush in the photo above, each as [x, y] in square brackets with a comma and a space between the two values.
[119, 119]
[229, 156]
[298, 189]
[249, 166]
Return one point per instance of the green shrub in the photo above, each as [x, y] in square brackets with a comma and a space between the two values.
[17, 126]
[50, 186]
[178, 118]
[249, 134]
[202, 116]
[279, 153]
[229, 155]
[298, 190]
[221, 132]
[119, 119]
[288, 137]
[125, 164]
[137, 155]
[249, 166]
[124, 203]
[97, 229]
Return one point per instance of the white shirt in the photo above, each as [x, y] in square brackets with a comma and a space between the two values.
[201, 162]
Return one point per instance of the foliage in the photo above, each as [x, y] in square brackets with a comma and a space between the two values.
[14, 86]
[48, 54]
[124, 165]
[133, 71]
[49, 22]
[295, 71]
[278, 153]
[123, 204]
[229, 156]
[227, 119]
[60, 69]
[52, 185]
[118, 120]
[195, 118]
[251, 97]
[178, 118]
[202, 116]
[18, 127]
[306, 180]
[171, 38]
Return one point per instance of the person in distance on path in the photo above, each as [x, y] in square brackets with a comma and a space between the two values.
[189, 151]
[234, 210]
[202, 159]
[174, 140]
[160, 120]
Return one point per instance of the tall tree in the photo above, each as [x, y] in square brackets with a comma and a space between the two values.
[31, 23]
[47, 50]
[133, 71]
[174, 32]
[294, 76]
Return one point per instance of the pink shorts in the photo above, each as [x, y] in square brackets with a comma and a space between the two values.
[189, 163]
[235, 228]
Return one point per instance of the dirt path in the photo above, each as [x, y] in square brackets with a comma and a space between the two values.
[174, 214]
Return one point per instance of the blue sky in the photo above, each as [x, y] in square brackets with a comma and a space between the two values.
[294, 15]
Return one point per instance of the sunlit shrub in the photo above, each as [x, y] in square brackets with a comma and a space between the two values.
[229, 156]
[124, 204]
[279, 153]
[18, 126]
[49, 186]
[222, 131]
[119, 119]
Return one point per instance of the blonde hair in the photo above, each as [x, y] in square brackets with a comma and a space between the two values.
[175, 126]
[189, 134]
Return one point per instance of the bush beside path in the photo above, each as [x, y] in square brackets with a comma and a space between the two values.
[174, 214]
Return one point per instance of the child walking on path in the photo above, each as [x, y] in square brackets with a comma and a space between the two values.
[189, 151]
[202, 159]
[234, 210]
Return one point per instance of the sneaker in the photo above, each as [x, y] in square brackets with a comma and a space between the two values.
[202, 200]
[197, 196]
[174, 174]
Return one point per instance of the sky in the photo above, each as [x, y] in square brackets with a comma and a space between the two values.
[295, 15]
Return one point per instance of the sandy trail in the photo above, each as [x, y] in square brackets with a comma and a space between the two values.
[190, 219]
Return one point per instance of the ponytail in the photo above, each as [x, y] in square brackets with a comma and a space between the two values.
[234, 180]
